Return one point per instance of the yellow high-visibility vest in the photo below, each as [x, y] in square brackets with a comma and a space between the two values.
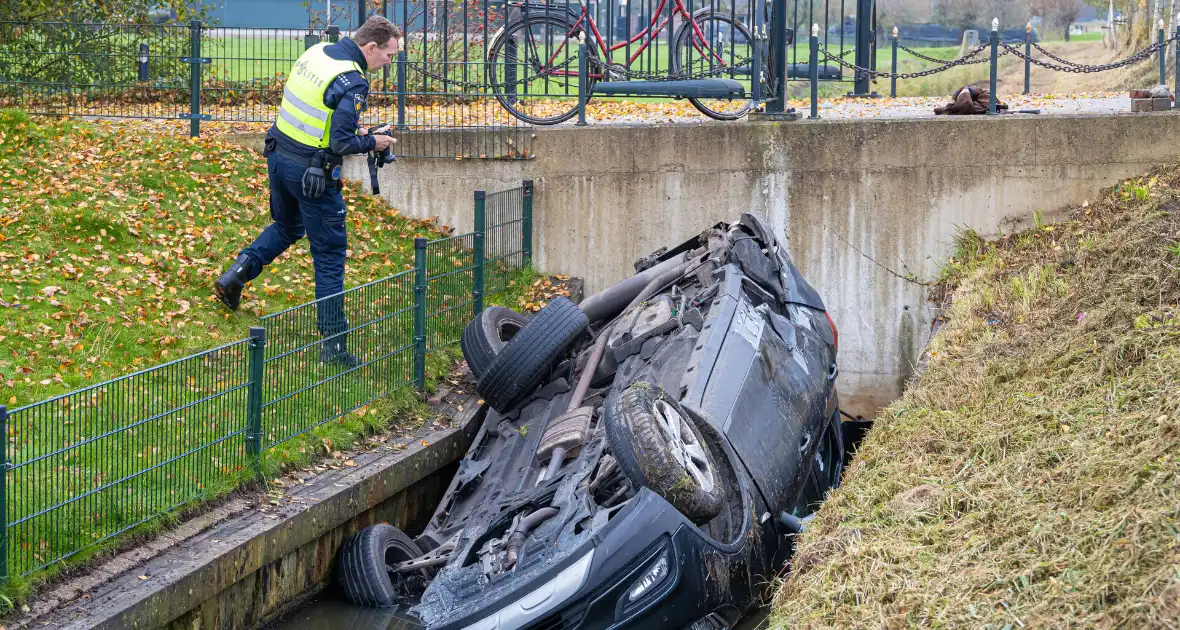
[303, 117]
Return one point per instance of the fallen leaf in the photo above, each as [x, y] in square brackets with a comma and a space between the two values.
[350, 463]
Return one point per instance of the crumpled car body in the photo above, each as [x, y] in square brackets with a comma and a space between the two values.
[737, 342]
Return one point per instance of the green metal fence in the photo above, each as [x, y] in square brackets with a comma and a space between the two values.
[81, 468]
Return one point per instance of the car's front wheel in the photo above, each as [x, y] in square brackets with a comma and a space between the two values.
[363, 567]
[659, 446]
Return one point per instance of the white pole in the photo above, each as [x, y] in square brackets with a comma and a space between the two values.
[329, 19]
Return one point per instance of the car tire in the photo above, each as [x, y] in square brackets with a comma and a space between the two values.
[660, 447]
[361, 572]
[486, 335]
[518, 369]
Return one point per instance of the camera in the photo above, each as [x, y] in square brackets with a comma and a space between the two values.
[381, 158]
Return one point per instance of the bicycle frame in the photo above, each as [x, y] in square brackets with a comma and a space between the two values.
[648, 34]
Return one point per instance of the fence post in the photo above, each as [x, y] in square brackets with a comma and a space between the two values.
[1163, 54]
[814, 70]
[583, 68]
[401, 87]
[1028, 59]
[478, 247]
[3, 494]
[526, 225]
[893, 71]
[991, 105]
[756, 70]
[194, 106]
[257, 359]
[420, 314]
[1176, 86]
[778, 58]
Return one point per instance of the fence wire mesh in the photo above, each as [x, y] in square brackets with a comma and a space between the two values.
[118, 70]
[504, 239]
[450, 278]
[86, 466]
[303, 387]
[102, 460]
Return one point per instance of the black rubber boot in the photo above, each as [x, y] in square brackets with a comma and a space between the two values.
[335, 350]
[229, 286]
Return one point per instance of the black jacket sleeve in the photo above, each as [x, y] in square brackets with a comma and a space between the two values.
[347, 97]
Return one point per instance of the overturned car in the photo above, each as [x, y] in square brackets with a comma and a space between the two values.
[646, 455]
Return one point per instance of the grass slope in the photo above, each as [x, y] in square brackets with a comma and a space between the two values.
[1030, 477]
[110, 240]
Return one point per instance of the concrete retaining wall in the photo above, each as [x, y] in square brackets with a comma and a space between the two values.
[253, 567]
[865, 204]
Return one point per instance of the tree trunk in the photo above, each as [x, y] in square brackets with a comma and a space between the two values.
[1067, 32]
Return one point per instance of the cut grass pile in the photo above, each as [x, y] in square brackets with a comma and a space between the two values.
[1029, 478]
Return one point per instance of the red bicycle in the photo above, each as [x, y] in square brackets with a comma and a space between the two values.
[533, 59]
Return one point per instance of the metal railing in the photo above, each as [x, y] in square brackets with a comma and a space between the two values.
[460, 67]
[81, 468]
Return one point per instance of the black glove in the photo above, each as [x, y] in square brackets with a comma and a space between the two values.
[314, 182]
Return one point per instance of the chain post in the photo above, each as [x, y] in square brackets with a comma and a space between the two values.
[582, 79]
[194, 111]
[893, 70]
[1163, 53]
[401, 86]
[756, 75]
[3, 494]
[420, 314]
[257, 359]
[477, 246]
[814, 71]
[995, 43]
[526, 225]
[1028, 59]
[778, 58]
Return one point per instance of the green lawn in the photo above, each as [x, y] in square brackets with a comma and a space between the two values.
[110, 238]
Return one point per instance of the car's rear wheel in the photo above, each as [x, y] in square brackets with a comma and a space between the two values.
[486, 335]
[527, 358]
[364, 561]
[659, 446]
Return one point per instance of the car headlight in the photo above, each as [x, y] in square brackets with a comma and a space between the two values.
[655, 575]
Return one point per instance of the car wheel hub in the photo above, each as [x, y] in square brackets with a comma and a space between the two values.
[684, 445]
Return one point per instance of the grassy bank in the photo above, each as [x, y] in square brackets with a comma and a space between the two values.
[110, 239]
[1030, 477]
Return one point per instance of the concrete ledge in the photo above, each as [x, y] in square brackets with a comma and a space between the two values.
[249, 568]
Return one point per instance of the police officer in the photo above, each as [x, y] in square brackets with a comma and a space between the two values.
[316, 126]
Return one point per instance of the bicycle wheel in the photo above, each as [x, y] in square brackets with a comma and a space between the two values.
[722, 47]
[533, 68]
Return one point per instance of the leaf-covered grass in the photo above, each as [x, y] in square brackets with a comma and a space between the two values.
[110, 240]
[1029, 478]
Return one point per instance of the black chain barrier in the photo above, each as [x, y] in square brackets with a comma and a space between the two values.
[965, 60]
[1005, 49]
[1087, 69]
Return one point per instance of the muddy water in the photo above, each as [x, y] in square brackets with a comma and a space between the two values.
[330, 614]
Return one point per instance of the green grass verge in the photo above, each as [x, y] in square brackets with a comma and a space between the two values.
[1029, 477]
[109, 242]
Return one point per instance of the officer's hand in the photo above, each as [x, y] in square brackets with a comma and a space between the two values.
[383, 142]
[314, 182]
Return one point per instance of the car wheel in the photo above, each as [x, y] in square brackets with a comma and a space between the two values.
[485, 336]
[659, 446]
[527, 357]
[363, 574]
